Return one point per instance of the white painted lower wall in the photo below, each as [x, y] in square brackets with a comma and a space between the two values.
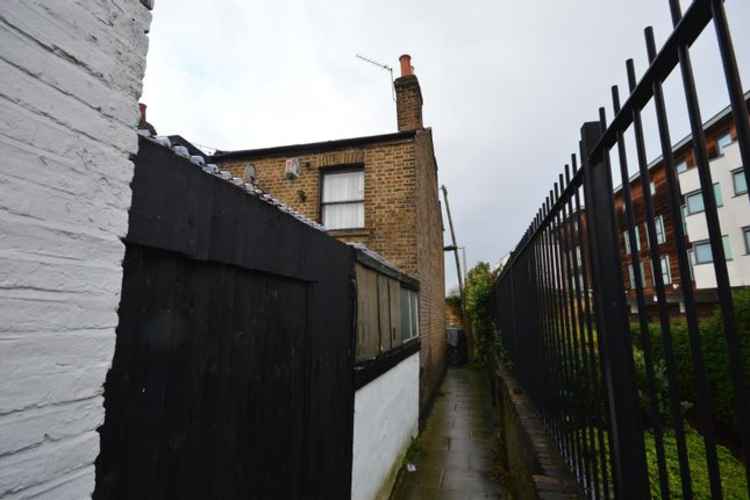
[70, 80]
[386, 418]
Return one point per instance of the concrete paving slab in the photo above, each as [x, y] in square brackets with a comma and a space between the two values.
[455, 454]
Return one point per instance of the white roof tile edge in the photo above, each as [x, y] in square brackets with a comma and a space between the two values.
[375, 255]
[251, 189]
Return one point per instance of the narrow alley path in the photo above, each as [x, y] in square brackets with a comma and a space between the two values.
[455, 455]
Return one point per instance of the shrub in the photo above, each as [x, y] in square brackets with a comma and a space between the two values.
[477, 292]
[715, 355]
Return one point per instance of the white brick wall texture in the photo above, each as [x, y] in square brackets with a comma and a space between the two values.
[70, 79]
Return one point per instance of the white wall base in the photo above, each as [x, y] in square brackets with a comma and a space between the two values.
[386, 418]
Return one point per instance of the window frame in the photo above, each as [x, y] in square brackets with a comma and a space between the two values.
[696, 244]
[725, 241]
[745, 233]
[626, 237]
[699, 192]
[631, 275]
[412, 297]
[341, 169]
[666, 270]
[661, 229]
[719, 148]
[740, 170]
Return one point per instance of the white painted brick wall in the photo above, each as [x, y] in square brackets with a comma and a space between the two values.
[70, 80]
[386, 419]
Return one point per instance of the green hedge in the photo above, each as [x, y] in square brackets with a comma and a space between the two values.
[716, 360]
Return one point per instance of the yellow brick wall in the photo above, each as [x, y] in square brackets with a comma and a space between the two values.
[430, 266]
[390, 194]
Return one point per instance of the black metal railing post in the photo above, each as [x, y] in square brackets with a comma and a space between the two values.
[630, 473]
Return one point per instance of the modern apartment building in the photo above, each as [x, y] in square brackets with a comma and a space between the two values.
[734, 215]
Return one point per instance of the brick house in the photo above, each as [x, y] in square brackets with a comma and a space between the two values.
[380, 191]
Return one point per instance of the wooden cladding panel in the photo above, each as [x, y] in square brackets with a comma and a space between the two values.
[379, 311]
[394, 291]
[233, 359]
[368, 334]
[385, 314]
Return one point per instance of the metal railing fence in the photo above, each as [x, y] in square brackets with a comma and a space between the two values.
[562, 313]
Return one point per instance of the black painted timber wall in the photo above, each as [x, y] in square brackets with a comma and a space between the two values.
[232, 373]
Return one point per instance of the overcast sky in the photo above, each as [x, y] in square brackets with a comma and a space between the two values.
[506, 85]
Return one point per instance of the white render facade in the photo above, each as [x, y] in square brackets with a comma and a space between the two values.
[734, 218]
[70, 80]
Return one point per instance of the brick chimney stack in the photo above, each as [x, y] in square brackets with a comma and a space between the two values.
[408, 97]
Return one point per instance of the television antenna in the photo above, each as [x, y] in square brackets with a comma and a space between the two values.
[383, 66]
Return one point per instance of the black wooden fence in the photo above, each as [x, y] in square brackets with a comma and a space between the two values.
[562, 314]
[232, 374]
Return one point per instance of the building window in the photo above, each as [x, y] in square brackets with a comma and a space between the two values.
[666, 271]
[746, 234]
[683, 219]
[652, 188]
[681, 167]
[627, 240]
[723, 142]
[739, 181]
[702, 251]
[579, 256]
[694, 200]
[409, 314]
[631, 275]
[691, 261]
[343, 201]
[661, 234]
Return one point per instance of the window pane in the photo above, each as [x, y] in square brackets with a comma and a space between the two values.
[631, 275]
[660, 232]
[343, 186]
[345, 216]
[666, 272]
[627, 241]
[691, 260]
[746, 232]
[724, 141]
[703, 253]
[694, 203]
[717, 194]
[740, 183]
[637, 238]
[681, 167]
[405, 315]
[414, 314]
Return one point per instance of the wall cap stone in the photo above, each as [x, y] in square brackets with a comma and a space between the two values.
[548, 473]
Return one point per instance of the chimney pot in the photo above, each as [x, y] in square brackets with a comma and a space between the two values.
[406, 68]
